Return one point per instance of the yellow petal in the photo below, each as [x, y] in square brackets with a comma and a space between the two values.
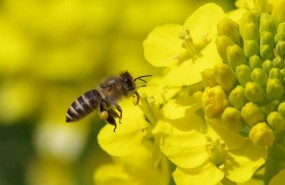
[189, 71]
[185, 149]
[207, 175]
[241, 164]
[128, 135]
[278, 179]
[162, 45]
[204, 20]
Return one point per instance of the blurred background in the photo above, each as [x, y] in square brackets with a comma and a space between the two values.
[53, 51]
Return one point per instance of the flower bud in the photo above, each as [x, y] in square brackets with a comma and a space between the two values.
[222, 43]
[279, 37]
[208, 78]
[255, 61]
[281, 27]
[267, 38]
[255, 93]
[232, 119]
[261, 135]
[243, 73]
[250, 32]
[281, 108]
[229, 28]
[266, 51]
[267, 23]
[278, 11]
[251, 47]
[267, 65]
[251, 114]
[235, 56]
[274, 88]
[276, 121]
[259, 76]
[275, 73]
[249, 26]
[214, 101]
[237, 97]
[278, 63]
[225, 76]
[280, 49]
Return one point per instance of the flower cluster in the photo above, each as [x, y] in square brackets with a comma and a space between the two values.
[218, 113]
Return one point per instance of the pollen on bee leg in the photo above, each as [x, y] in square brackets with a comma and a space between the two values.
[104, 115]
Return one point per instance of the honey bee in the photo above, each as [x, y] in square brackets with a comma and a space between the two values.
[105, 98]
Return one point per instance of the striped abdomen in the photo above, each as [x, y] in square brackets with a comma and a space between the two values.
[83, 105]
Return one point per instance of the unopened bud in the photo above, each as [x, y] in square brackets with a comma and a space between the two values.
[274, 88]
[259, 76]
[249, 26]
[278, 11]
[261, 135]
[255, 93]
[232, 119]
[281, 27]
[266, 52]
[267, 65]
[222, 43]
[252, 114]
[225, 76]
[267, 23]
[243, 73]
[275, 73]
[281, 108]
[255, 61]
[279, 37]
[214, 101]
[280, 49]
[267, 38]
[208, 78]
[278, 63]
[237, 97]
[251, 32]
[235, 56]
[229, 28]
[276, 121]
[251, 47]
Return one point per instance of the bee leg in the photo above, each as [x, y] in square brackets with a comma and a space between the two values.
[112, 121]
[113, 102]
[136, 94]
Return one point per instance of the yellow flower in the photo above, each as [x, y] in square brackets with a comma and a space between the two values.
[222, 153]
[185, 50]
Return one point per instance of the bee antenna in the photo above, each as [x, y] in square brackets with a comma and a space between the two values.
[139, 78]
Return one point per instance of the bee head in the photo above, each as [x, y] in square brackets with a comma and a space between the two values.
[128, 81]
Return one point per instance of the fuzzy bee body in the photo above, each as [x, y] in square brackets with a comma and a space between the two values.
[83, 105]
[104, 98]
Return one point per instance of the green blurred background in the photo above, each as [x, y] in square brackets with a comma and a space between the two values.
[52, 51]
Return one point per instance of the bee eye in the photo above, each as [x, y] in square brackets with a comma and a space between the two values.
[128, 83]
